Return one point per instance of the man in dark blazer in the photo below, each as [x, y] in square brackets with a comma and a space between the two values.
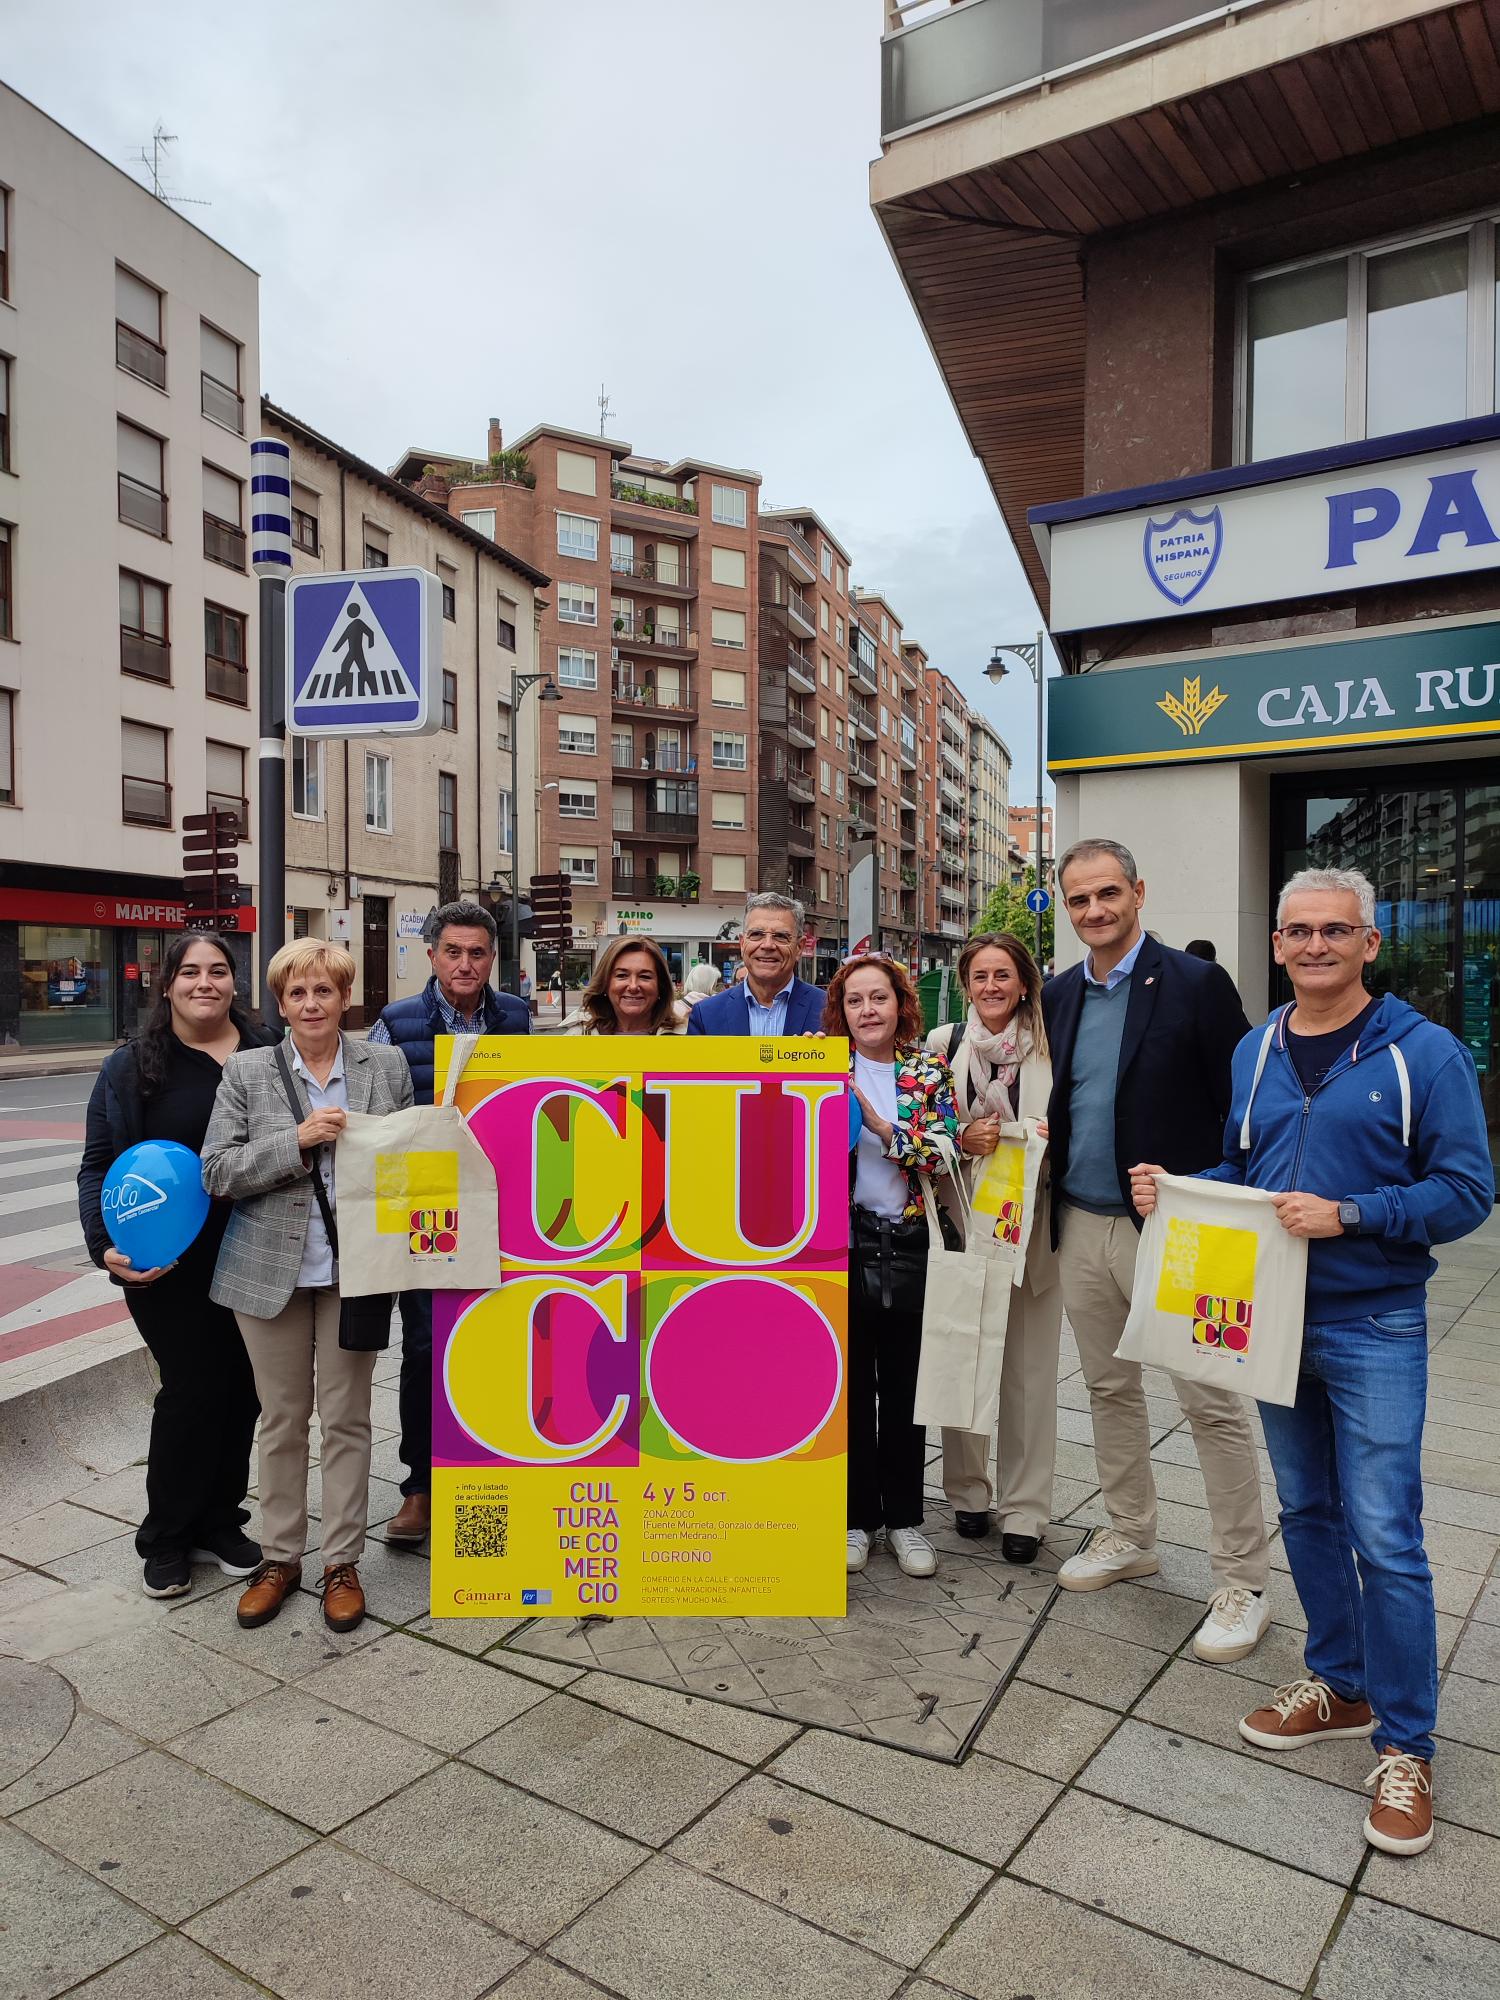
[1141, 1038]
[771, 999]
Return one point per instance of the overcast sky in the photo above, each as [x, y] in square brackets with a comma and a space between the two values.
[475, 208]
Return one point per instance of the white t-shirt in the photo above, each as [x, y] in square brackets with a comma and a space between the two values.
[879, 1184]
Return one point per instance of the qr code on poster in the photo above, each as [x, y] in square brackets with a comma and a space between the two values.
[481, 1530]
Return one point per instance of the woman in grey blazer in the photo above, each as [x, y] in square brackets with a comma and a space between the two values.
[278, 1269]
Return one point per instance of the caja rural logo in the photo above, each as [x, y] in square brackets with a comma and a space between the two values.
[1194, 707]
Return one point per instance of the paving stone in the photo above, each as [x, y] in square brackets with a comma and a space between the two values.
[734, 1732]
[1468, 1787]
[540, 1979]
[37, 1704]
[467, 1635]
[115, 1561]
[552, 1673]
[507, 1858]
[1457, 1881]
[1154, 1618]
[980, 1807]
[306, 1758]
[90, 1745]
[607, 1767]
[1265, 1807]
[669, 1931]
[1469, 1711]
[158, 1682]
[1192, 1699]
[1040, 1730]
[1478, 1652]
[171, 1969]
[57, 1530]
[58, 1925]
[1486, 1605]
[332, 1926]
[167, 1837]
[1382, 1950]
[421, 1690]
[1111, 1672]
[296, 1642]
[1022, 1940]
[122, 1494]
[1267, 1918]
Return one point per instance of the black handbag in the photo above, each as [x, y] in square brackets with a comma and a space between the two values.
[364, 1324]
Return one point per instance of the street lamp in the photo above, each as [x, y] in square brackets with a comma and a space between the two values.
[520, 684]
[1035, 660]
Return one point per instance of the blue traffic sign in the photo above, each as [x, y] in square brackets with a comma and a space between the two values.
[363, 649]
[1038, 901]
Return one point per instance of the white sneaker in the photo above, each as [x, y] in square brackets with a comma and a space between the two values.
[856, 1549]
[913, 1551]
[1108, 1557]
[1234, 1625]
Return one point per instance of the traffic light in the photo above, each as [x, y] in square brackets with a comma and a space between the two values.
[211, 891]
[552, 902]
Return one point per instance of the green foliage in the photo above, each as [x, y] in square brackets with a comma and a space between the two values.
[1006, 911]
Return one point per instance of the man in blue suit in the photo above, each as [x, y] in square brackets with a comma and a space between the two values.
[771, 999]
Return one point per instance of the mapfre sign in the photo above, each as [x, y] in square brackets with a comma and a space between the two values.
[1268, 532]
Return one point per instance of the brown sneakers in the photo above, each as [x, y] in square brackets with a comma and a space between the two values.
[267, 1590]
[1305, 1712]
[343, 1599]
[411, 1520]
[1400, 1820]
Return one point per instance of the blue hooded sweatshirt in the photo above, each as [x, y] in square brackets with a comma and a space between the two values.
[1396, 1125]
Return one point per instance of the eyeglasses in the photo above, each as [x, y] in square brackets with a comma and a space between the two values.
[1300, 934]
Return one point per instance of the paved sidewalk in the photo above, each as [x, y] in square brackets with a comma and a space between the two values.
[407, 1813]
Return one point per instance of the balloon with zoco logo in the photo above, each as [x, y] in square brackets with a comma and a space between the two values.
[154, 1202]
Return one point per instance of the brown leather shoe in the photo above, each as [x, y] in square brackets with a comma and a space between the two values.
[1305, 1712]
[343, 1598]
[1400, 1821]
[266, 1592]
[411, 1520]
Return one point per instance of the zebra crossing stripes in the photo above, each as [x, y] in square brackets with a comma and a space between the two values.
[390, 681]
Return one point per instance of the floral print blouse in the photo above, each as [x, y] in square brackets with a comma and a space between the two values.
[925, 1113]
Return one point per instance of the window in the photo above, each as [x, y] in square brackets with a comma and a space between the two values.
[377, 548]
[582, 863]
[7, 731]
[225, 777]
[142, 479]
[885, 630]
[838, 682]
[304, 531]
[729, 506]
[577, 472]
[144, 649]
[827, 560]
[226, 671]
[838, 631]
[138, 348]
[480, 519]
[4, 242]
[841, 579]
[223, 535]
[838, 732]
[577, 668]
[505, 622]
[728, 751]
[729, 873]
[450, 700]
[447, 812]
[622, 749]
[823, 670]
[885, 720]
[578, 798]
[728, 809]
[578, 536]
[822, 885]
[307, 778]
[823, 613]
[578, 604]
[377, 792]
[728, 688]
[221, 402]
[5, 367]
[727, 566]
[824, 772]
[838, 783]
[7, 588]
[822, 829]
[146, 797]
[450, 603]
[823, 723]
[578, 735]
[504, 822]
[729, 628]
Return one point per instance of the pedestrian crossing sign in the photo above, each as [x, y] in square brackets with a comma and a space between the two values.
[362, 650]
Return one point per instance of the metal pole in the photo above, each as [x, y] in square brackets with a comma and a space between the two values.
[515, 831]
[1040, 854]
[272, 761]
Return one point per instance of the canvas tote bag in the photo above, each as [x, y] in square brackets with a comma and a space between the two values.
[418, 1205]
[1219, 1290]
[1005, 1199]
[964, 1315]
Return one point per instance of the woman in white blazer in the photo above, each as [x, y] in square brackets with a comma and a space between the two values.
[1002, 1076]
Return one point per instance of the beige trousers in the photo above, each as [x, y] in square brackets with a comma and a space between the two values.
[1027, 1450]
[1098, 1270]
[296, 1357]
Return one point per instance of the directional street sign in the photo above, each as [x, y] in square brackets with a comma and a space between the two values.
[1038, 901]
[363, 650]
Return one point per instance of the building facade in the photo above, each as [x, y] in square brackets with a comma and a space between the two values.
[1022, 828]
[128, 361]
[1236, 394]
[989, 813]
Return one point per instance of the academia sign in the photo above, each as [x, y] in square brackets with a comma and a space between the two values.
[1306, 526]
[1416, 686]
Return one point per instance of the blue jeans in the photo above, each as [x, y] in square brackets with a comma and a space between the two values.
[1348, 1466]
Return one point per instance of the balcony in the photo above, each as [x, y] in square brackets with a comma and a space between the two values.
[141, 505]
[665, 760]
[951, 792]
[670, 825]
[150, 659]
[633, 503]
[947, 751]
[224, 405]
[654, 888]
[801, 548]
[861, 769]
[907, 752]
[223, 542]
[948, 929]
[800, 614]
[146, 801]
[799, 674]
[861, 675]
[799, 839]
[226, 680]
[644, 635]
[799, 786]
[909, 799]
[907, 840]
[139, 355]
[637, 697]
[799, 731]
[673, 578]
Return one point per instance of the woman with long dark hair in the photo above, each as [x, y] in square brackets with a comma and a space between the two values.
[162, 1086]
[629, 994]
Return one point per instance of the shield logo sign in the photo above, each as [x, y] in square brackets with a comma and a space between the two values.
[1182, 552]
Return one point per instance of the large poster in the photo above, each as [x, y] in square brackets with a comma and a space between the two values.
[645, 1416]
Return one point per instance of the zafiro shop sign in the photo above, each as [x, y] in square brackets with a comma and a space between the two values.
[1416, 686]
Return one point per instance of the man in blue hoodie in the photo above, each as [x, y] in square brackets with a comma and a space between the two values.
[1364, 1120]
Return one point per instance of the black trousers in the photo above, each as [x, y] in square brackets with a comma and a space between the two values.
[203, 1421]
[887, 1451]
[416, 1391]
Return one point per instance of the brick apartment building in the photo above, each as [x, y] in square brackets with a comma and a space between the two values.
[1023, 830]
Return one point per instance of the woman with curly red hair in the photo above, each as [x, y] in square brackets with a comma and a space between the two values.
[907, 1137]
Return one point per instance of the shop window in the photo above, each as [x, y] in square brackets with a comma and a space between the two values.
[66, 985]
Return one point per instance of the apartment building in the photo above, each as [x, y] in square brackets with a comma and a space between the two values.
[878, 717]
[646, 768]
[948, 796]
[128, 362]
[1022, 827]
[1213, 291]
[382, 829]
[989, 812]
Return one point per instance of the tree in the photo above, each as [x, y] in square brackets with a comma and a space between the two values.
[1006, 911]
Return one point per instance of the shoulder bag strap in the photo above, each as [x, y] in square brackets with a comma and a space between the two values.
[319, 1189]
[463, 1047]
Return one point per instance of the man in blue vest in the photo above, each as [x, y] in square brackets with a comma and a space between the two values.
[771, 999]
[457, 1000]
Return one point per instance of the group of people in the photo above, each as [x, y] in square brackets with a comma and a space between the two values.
[1358, 1114]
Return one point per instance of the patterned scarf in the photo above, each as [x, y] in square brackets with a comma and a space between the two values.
[988, 1065]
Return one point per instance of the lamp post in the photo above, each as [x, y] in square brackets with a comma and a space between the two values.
[1035, 660]
[520, 685]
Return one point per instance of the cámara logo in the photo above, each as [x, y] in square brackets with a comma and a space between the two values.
[1194, 708]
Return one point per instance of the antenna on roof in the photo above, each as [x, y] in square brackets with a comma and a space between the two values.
[153, 163]
[605, 412]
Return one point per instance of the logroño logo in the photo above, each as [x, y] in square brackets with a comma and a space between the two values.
[1194, 708]
[1182, 552]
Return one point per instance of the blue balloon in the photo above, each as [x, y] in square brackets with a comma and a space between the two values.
[856, 1121]
[154, 1202]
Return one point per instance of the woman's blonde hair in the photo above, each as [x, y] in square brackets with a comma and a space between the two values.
[596, 1003]
[1029, 1008]
[305, 958]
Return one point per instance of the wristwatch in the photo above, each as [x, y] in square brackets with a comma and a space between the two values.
[1349, 1217]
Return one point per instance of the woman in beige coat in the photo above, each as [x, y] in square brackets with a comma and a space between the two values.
[1002, 1076]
